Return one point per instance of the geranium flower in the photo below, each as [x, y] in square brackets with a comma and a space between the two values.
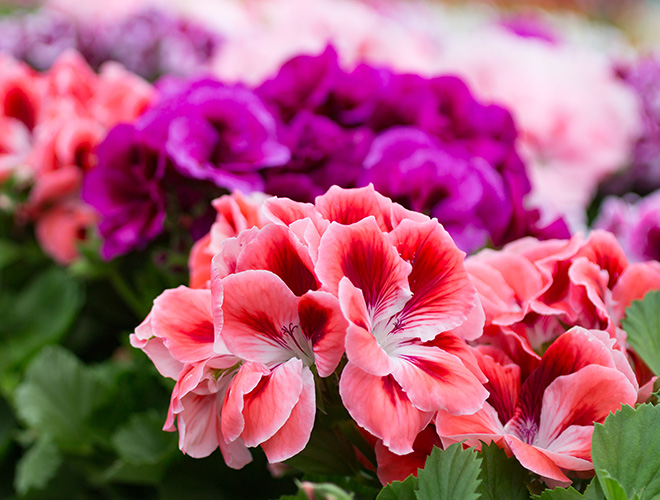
[546, 418]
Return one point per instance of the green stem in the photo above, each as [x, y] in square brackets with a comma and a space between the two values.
[126, 293]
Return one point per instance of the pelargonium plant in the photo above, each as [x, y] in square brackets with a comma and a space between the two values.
[353, 294]
[356, 306]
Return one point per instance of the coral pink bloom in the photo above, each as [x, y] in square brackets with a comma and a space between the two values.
[178, 336]
[280, 336]
[21, 92]
[399, 291]
[235, 213]
[546, 419]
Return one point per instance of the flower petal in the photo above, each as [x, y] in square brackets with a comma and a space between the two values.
[324, 325]
[347, 206]
[258, 309]
[279, 251]
[442, 294]
[293, 436]
[362, 253]
[183, 318]
[380, 406]
[435, 380]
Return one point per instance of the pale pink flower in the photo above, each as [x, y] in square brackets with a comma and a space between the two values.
[577, 121]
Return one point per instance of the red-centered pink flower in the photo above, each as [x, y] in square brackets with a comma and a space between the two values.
[178, 336]
[546, 419]
[400, 290]
[235, 213]
[280, 335]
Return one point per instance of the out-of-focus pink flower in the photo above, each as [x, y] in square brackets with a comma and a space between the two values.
[577, 121]
[546, 419]
[235, 213]
[289, 27]
[532, 291]
[178, 336]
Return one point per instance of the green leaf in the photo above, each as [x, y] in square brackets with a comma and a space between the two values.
[560, 494]
[626, 448]
[642, 323]
[439, 478]
[142, 441]
[38, 315]
[328, 452]
[57, 396]
[399, 490]
[501, 476]
[612, 488]
[10, 252]
[38, 466]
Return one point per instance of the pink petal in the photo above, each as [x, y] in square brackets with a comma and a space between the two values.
[535, 460]
[433, 380]
[452, 344]
[224, 262]
[155, 349]
[379, 405]
[362, 348]
[347, 206]
[362, 253]
[270, 404]
[285, 211]
[442, 294]
[277, 250]
[233, 420]
[392, 467]
[503, 385]
[198, 436]
[324, 325]
[483, 425]
[633, 284]
[582, 398]
[604, 250]
[258, 310]
[199, 263]
[293, 436]
[183, 318]
[473, 327]
[572, 448]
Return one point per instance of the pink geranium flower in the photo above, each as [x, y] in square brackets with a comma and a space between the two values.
[400, 291]
[546, 419]
[270, 314]
[178, 336]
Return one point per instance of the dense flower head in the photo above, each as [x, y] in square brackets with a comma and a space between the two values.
[426, 142]
[552, 351]
[642, 175]
[295, 289]
[52, 123]
[635, 222]
[149, 42]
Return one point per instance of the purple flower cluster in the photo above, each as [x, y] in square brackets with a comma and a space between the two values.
[643, 174]
[203, 135]
[635, 222]
[426, 143]
[149, 43]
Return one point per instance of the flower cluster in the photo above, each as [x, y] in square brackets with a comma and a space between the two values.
[427, 143]
[53, 123]
[352, 274]
[635, 222]
[149, 42]
[578, 121]
[552, 341]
